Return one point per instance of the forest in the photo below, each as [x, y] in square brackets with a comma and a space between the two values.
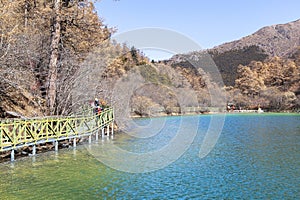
[43, 47]
[57, 55]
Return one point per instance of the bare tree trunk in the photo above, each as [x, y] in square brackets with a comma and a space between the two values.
[26, 14]
[55, 38]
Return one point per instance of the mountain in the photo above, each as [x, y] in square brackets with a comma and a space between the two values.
[277, 40]
[280, 40]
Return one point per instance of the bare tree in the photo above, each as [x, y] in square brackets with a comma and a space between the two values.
[54, 55]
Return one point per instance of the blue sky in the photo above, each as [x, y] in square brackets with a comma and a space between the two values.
[207, 22]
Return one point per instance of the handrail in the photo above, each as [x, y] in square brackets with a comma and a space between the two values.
[22, 132]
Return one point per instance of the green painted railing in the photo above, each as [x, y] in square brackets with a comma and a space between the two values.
[18, 133]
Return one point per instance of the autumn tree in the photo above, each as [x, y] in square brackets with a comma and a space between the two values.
[141, 105]
[50, 38]
[249, 81]
[273, 83]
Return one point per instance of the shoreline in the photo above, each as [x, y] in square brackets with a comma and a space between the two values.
[214, 113]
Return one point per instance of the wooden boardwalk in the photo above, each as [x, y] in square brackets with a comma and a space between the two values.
[19, 133]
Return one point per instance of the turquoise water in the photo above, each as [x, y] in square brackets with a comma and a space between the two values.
[256, 157]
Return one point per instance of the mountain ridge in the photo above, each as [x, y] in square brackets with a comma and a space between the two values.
[276, 40]
[280, 40]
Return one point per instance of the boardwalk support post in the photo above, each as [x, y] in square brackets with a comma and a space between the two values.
[33, 150]
[56, 145]
[107, 130]
[74, 142]
[90, 139]
[12, 155]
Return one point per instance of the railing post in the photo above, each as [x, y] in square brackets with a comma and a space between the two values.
[14, 134]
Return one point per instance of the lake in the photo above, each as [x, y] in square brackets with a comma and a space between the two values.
[256, 156]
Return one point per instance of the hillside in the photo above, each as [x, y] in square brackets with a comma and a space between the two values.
[273, 84]
[227, 62]
[19, 93]
[278, 40]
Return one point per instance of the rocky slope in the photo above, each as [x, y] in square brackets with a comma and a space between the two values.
[277, 40]
[280, 40]
[19, 96]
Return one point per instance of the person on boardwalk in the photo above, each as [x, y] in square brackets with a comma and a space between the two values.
[96, 105]
[99, 109]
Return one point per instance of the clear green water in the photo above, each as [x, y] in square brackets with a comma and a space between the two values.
[256, 157]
